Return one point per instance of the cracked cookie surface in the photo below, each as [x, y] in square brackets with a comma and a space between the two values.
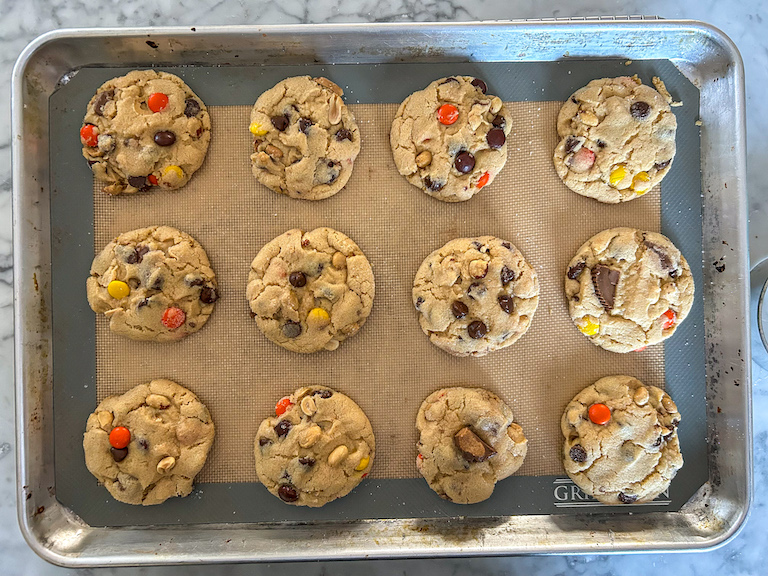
[310, 291]
[449, 465]
[305, 138]
[145, 130]
[153, 283]
[475, 295]
[317, 448]
[449, 139]
[628, 289]
[171, 432]
[617, 139]
[633, 456]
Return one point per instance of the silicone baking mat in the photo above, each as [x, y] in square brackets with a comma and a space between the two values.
[390, 366]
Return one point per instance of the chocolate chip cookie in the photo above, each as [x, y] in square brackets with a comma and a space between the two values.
[148, 444]
[475, 295]
[310, 291]
[145, 130]
[617, 139]
[467, 443]
[153, 284]
[450, 139]
[317, 448]
[621, 442]
[305, 138]
[628, 289]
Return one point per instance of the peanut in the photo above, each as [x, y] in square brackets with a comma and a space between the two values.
[339, 260]
[478, 268]
[308, 405]
[668, 404]
[641, 396]
[158, 401]
[424, 159]
[334, 109]
[338, 454]
[166, 464]
[273, 151]
[310, 436]
[105, 419]
[325, 83]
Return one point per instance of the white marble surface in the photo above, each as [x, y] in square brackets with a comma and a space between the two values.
[744, 22]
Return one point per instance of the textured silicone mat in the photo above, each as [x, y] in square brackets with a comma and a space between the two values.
[390, 366]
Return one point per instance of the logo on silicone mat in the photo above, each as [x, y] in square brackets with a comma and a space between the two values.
[568, 495]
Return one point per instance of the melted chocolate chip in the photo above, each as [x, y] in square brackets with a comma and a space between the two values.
[471, 446]
[640, 110]
[322, 393]
[297, 279]
[459, 309]
[139, 182]
[674, 274]
[191, 107]
[577, 453]
[307, 461]
[476, 290]
[507, 304]
[119, 454]
[506, 275]
[142, 303]
[343, 134]
[499, 121]
[280, 122]
[157, 284]
[208, 295]
[197, 282]
[141, 251]
[477, 83]
[282, 428]
[573, 99]
[101, 101]
[495, 138]
[304, 124]
[576, 270]
[264, 441]
[287, 493]
[664, 259]
[419, 302]
[433, 185]
[478, 246]
[507, 245]
[464, 162]
[658, 442]
[604, 280]
[601, 144]
[143, 444]
[477, 329]
[662, 165]
[449, 80]
[165, 138]
[291, 329]
[570, 144]
[132, 257]
[134, 283]
[627, 498]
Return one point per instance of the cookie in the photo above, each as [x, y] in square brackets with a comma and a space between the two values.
[450, 139]
[153, 284]
[628, 289]
[145, 130]
[317, 448]
[475, 295]
[148, 444]
[467, 443]
[305, 138]
[310, 291]
[617, 139]
[621, 442]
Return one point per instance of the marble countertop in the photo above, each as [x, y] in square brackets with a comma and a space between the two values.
[21, 22]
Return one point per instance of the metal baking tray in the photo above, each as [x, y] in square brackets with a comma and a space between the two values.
[704, 55]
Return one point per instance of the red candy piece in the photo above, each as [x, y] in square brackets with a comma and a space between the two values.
[640, 349]
[447, 114]
[89, 134]
[582, 160]
[671, 317]
[152, 179]
[599, 414]
[120, 437]
[483, 180]
[282, 405]
[173, 318]
[157, 102]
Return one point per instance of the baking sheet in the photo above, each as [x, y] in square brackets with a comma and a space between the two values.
[390, 366]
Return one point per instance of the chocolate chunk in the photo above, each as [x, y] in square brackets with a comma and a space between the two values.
[577, 453]
[142, 303]
[495, 138]
[132, 257]
[507, 275]
[477, 83]
[664, 259]
[143, 444]
[333, 173]
[433, 185]
[307, 461]
[191, 107]
[287, 493]
[507, 245]
[576, 270]
[464, 162]
[478, 246]
[165, 138]
[419, 302]
[197, 282]
[141, 251]
[119, 454]
[477, 329]
[459, 309]
[291, 329]
[674, 273]
[499, 121]
[304, 124]
[282, 428]
[604, 280]
[264, 441]
[101, 101]
[507, 304]
[343, 134]
[573, 99]
[476, 290]
[662, 165]
[322, 393]
[658, 442]
[640, 110]
[601, 144]
[449, 80]
[471, 446]
[280, 122]
[297, 279]
[570, 144]
[208, 295]
[627, 498]
[139, 182]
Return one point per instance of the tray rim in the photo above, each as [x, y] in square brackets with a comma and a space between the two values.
[59, 537]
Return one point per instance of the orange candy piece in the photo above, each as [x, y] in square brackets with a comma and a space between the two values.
[90, 135]
[120, 437]
[447, 114]
[157, 102]
[483, 180]
[671, 317]
[282, 405]
[152, 179]
[599, 414]
[173, 318]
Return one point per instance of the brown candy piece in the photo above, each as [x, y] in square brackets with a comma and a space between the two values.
[119, 454]
[165, 138]
[297, 279]
[471, 446]
[605, 280]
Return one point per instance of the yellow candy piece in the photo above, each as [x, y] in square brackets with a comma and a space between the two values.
[118, 289]
[257, 129]
[363, 464]
[590, 328]
[173, 168]
[318, 317]
[618, 174]
[641, 183]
